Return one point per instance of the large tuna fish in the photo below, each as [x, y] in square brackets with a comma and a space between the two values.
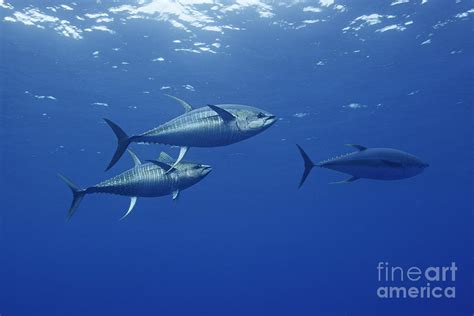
[149, 179]
[208, 126]
[369, 163]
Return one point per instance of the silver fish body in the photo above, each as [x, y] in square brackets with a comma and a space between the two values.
[369, 163]
[209, 126]
[377, 163]
[203, 127]
[150, 179]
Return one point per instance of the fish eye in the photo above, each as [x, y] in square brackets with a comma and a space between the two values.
[260, 115]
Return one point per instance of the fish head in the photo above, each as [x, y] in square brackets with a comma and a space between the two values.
[205, 170]
[253, 120]
[413, 165]
[410, 164]
[192, 173]
[411, 171]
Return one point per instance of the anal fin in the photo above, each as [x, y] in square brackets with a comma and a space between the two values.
[352, 179]
[175, 194]
[133, 201]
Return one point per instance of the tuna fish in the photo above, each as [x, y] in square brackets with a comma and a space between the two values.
[209, 126]
[369, 163]
[149, 179]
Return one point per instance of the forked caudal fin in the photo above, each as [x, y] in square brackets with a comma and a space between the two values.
[122, 142]
[308, 165]
[77, 195]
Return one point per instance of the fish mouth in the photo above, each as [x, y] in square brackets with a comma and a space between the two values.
[206, 169]
[270, 119]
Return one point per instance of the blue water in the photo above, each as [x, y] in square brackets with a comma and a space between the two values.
[245, 240]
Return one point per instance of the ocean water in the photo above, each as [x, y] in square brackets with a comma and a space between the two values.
[245, 240]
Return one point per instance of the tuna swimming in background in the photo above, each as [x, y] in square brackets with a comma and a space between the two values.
[209, 126]
[369, 163]
[149, 179]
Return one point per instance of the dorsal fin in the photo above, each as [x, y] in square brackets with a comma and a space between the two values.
[134, 157]
[162, 165]
[225, 115]
[164, 157]
[187, 107]
[358, 147]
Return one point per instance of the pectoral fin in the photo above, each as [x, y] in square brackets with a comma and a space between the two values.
[175, 194]
[352, 179]
[225, 115]
[393, 164]
[162, 165]
[133, 201]
[182, 152]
